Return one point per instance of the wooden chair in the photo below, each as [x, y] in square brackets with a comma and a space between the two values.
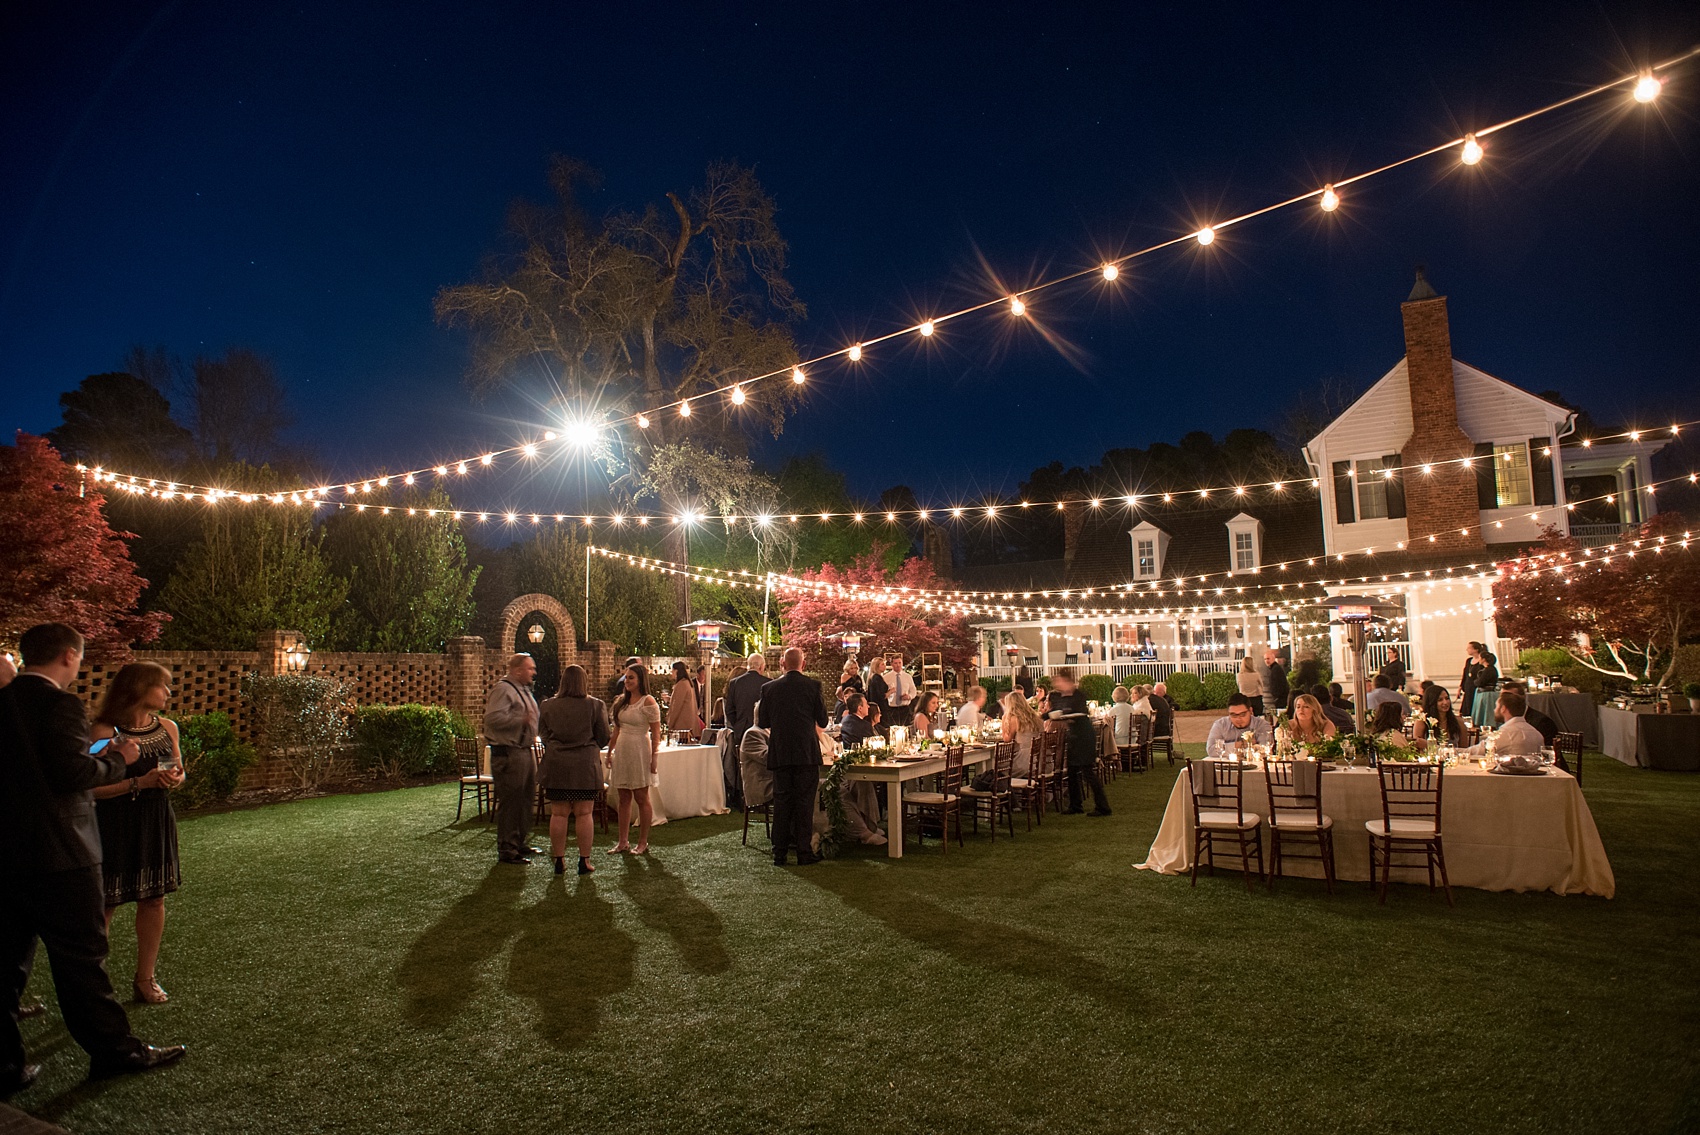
[1567, 753]
[1000, 798]
[1030, 790]
[469, 752]
[1409, 824]
[1218, 813]
[1163, 743]
[1056, 766]
[1295, 811]
[943, 805]
[1110, 763]
[1136, 754]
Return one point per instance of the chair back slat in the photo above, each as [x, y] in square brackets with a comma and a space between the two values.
[1568, 744]
[1224, 790]
[950, 780]
[1410, 791]
[1287, 794]
[1003, 766]
[467, 753]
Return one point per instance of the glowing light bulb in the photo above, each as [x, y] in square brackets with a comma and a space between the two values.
[1330, 200]
[927, 327]
[684, 409]
[797, 375]
[1205, 235]
[1472, 152]
[461, 468]
[1110, 271]
[856, 353]
[737, 396]
[530, 451]
[548, 435]
[643, 421]
[487, 459]
[1016, 306]
[1647, 88]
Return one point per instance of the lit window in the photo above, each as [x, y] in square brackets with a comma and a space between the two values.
[1511, 475]
[1372, 490]
[1147, 550]
[1245, 552]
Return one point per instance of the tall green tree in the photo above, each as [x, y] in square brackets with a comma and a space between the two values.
[121, 422]
[409, 581]
[255, 567]
[628, 606]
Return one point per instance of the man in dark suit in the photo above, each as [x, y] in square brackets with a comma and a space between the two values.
[1343, 720]
[742, 694]
[50, 884]
[792, 709]
[1162, 711]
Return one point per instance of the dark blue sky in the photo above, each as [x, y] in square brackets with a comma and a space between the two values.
[302, 179]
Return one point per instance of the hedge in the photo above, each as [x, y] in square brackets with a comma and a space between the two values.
[213, 759]
[399, 741]
[1546, 660]
[1185, 690]
[1097, 687]
[1217, 688]
[996, 688]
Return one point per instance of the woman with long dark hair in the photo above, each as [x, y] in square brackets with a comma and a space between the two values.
[1437, 704]
[574, 727]
[926, 708]
[138, 830]
[632, 756]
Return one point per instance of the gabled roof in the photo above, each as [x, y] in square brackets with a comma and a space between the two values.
[1460, 370]
[1198, 539]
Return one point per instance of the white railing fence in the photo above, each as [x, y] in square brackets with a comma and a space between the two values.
[1596, 535]
[1122, 671]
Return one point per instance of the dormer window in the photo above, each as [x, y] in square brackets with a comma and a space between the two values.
[1245, 544]
[1150, 546]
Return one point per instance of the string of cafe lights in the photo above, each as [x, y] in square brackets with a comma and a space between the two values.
[1643, 87]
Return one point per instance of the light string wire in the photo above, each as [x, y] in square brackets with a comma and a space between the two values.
[1644, 85]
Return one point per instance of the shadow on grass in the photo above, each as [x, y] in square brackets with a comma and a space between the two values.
[568, 955]
[664, 904]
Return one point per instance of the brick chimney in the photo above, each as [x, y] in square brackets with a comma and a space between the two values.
[1444, 501]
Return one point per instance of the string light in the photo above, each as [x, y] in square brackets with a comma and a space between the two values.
[1016, 306]
[1110, 272]
[1330, 199]
[1647, 88]
[737, 396]
[685, 408]
[926, 327]
[1205, 235]
[1472, 151]
[798, 377]
[855, 354]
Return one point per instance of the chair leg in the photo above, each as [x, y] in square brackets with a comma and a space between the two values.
[1440, 857]
[746, 825]
[1386, 869]
[460, 802]
[1328, 860]
[1274, 856]
[1197, 854]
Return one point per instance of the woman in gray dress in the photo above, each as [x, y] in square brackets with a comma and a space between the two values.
[574, 728]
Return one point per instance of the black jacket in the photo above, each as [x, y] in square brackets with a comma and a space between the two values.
[47, 821]
[1162, 716]
[791, 709]
[878, 692]
[742, 694]
[1279, 691]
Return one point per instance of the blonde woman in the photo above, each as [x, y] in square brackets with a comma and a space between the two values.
[1021, 725]
[1310, 725]
[138, 830]
[1251, 684]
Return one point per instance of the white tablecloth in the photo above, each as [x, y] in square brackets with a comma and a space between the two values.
[1500, 833]
[689, 783]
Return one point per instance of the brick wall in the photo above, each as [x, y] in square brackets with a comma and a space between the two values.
[1444, 501]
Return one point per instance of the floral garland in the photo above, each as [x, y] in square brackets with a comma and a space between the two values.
[832, 802]
[1361, 744]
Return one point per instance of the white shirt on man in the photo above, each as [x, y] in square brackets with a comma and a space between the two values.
[900, 688]
[1517, 737]
[968, 717]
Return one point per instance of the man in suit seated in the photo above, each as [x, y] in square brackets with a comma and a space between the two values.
[1331, 709]
[50, 856]
[1162, 711]
[793, 712]
[861, 798]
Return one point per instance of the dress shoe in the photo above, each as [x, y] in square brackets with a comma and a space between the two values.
[149, 993]
[533, 851]
[809, 860]
[14, 1080]
[142, 1059]
[584, 867]
[517, 860]
[560, 865]
[779, 861]
[1099, 812]
[33, 1009]
[875, 839]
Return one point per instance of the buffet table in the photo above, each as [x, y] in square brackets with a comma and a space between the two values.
[689, 783]
[1572, 713]
[1501, 833]
[1649, 739]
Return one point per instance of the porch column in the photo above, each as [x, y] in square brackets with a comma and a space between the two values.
[1045, 647]
[1417, 662]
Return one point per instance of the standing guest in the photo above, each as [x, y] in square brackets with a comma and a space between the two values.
[1343, 721]
[1310, 724]
[702, 689]
[900, 692]
[1251, 685]
[682, 715]
[1306, 673]
[1227, 732]
[1069, 709]
[1021, 725]
[138, 830]
[1024, 681]
[1467, 683]
[510, 726]
[1437, 705]
[926, 708]
[851, 676]
[50, 887]
[1276, 690]
[878, 691]
[1162, 711]
[1487, 686]
[618, 683]
[1516, 736]
[634, 757]
[793, 711]
[574, 728]
[1337, 697]
[1394, 668]
[1386, 693]
[742, 693]
[970, 715]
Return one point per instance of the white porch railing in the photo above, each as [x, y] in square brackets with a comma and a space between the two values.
[1122, 670]
[1597, 535]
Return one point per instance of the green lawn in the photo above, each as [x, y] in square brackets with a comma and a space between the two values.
[356, 963]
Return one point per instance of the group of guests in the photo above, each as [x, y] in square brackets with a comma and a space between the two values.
[86, 826]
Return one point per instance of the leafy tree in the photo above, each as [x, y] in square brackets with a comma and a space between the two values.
[60, 559]
[239, 408]
[255, 567]
[121, 422]
[907, 625]
[409, 582]
[631, 607]
[1626, 617]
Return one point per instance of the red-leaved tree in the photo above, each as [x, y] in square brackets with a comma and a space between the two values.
[60, 560]
[900, 622]
[1621, 611]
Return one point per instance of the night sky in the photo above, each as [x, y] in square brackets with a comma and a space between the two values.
[302, 179]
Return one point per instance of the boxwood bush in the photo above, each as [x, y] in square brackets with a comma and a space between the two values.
[399, 741]
[996, 688]
[1185, 690]
[1218, 688]
[213, 759]
[1097, 687]
[1545, 660]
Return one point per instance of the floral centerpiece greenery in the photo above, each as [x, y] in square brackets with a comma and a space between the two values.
[1378, 748]
[831, 802]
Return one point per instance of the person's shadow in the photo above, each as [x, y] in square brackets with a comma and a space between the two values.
[568, 958]
[439, 974]
[665, 905]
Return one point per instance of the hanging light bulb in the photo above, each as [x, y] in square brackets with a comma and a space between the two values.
[927, 327]
[1110, 271]
[1330, 199]
[1647, 88]
[685, 409]
[1472, 151]
[1205, 235]
[856, 353]
[1016, 306]
[797, 375]
[737, 396]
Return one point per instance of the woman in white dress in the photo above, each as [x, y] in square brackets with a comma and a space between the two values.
[632, 757]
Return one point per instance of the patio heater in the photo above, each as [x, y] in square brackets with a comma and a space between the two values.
[1356, 613]
[708, 642]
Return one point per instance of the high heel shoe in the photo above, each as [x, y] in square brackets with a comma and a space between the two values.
[584, 867]
[560, 865]
[149, 994]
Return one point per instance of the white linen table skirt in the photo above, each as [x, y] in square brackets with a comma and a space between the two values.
[690, 783]
[1500, 833]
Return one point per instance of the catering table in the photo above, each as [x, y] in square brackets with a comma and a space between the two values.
[894, 772]
[1572, 713]
[1501, 833]
[689, 782]
[1642, 736]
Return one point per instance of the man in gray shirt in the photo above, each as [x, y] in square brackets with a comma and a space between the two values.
[1227, 731]
[510, 727]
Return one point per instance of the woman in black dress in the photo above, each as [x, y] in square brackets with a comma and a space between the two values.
[574, 728]
[138, 831]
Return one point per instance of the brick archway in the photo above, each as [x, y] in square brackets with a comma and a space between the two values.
[566, 634]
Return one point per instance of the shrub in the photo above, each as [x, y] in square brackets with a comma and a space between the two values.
[1097, 687]
[1586, 680]
[1545, 660]
[404, 740]
[996, 688]
[1691, 690]
[1687, 667]
[300, 719]
[1043, 682]
[213, 759]
[1185, 690]
[1217, 688]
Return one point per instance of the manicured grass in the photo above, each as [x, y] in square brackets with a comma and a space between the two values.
[358, 964]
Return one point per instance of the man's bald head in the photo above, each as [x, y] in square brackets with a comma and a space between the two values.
[1161, 689]
[756, 662]
[792, 658]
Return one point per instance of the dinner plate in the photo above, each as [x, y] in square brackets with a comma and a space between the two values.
[1512, 770]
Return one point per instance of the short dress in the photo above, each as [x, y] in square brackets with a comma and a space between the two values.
[138, 835]
[631, 751]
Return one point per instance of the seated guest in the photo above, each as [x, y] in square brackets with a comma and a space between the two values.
[1343, 720]
[874, 719]
[1162, 711]
[1546, 726]
[1140, 699]
[926, 708]
[718, 717]
[1437, 704]
[970, 715]
[1384, 693]
[1338, 698]
[1310, 724]
[856, 726]
[1226, 733]
[860, 798]
[1021, 725]
[1516, 735]
[1387, 722]
[1121, 716]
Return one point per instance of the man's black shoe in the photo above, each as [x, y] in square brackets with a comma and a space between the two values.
[779, 861]
[533, 851]
[1099, 812]
[517, 860]
[142, 1059]
[1074, 811]
[14, 1079]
